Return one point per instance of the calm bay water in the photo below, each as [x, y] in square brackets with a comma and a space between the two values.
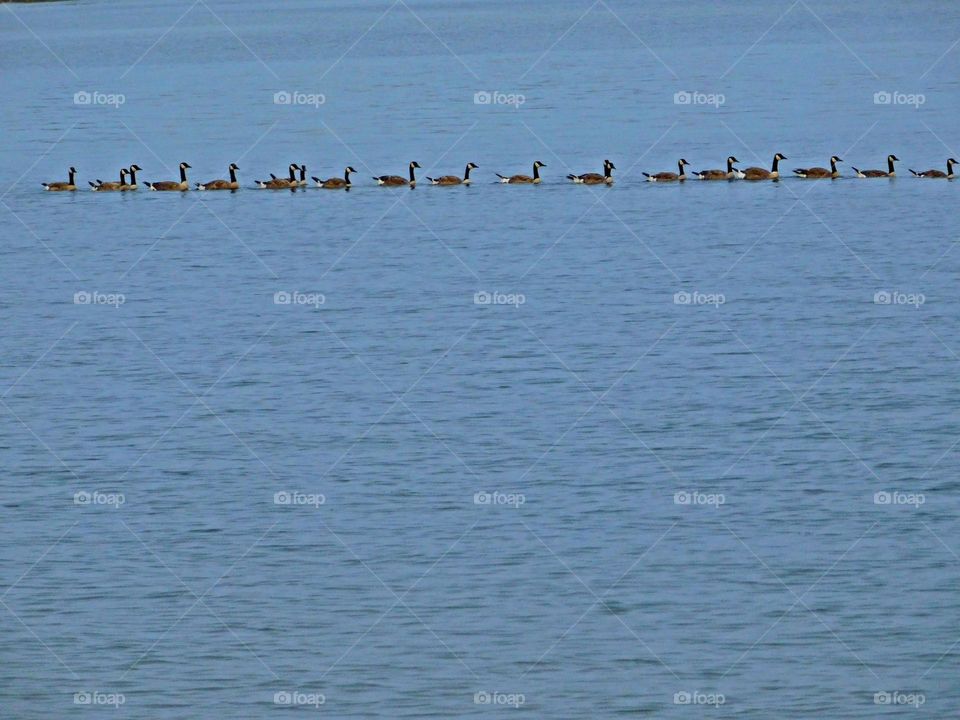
[702, 453]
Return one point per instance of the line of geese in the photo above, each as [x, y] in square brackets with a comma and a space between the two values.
[297, 176]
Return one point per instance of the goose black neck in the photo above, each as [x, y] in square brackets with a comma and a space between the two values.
[833, 165]
[233, 174]
[183, 174]
[607, 171]
[346, 176]
[412, 178]
[890, 165]
[949, 167]
[123, 177]
[72, 174]
[536, 171]
[466, 172]
[293, 174]
[133, 176]
[776, 164]
[303, 173]
[680, 168]
[729, 166]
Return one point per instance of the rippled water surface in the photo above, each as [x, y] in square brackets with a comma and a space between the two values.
[642, 478]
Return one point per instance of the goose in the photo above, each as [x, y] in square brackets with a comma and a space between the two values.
[819, 173]
[100, 186]
[336, 183]
[132, 185]
[275, 183]
[302, 182]
[729, 174]
[524, 179]
[938, 173]
[758, 173]
[453, 179]
[889, 172]
[396, 180]
[669, 176]
[595, 178]
[230, 184]
[171, 185]
[63, 186]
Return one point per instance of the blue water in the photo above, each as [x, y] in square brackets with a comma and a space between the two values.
[146, 560]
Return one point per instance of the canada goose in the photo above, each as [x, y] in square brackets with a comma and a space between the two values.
[171, 185]
[669, 176]
[819, 173]
[396, 180]
[758, 173]
[595, 178]
[336, 183]
[524, 179]
[889, 172]
[132, 185]
[730, 173]
[230, 184]
[63, 186]
[100, 186]
[302, 182]
[938, 173]
[453, 179]
[275, 183]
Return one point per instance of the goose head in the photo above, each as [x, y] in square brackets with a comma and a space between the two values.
[608, 164]
[414, 164]
[137, 168]
[893, 158]
[185, 166]
[683, 162]
[349, 169]
[472, 166]
[835, 159]
[539, 164]
[732, 159]
[780, 156]
[233, 166]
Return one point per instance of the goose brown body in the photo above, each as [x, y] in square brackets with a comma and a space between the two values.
[171, 185]
[455, 179]
[68, 186]
[397, 180]
[221, 184]
[275, 183]
[819, 173]
[949, 174]
[759, 173]
[100, 186]
[596, 178]
[728, 174]
[524, 179]
[889, 172]
[336, 183]
[680, 175]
